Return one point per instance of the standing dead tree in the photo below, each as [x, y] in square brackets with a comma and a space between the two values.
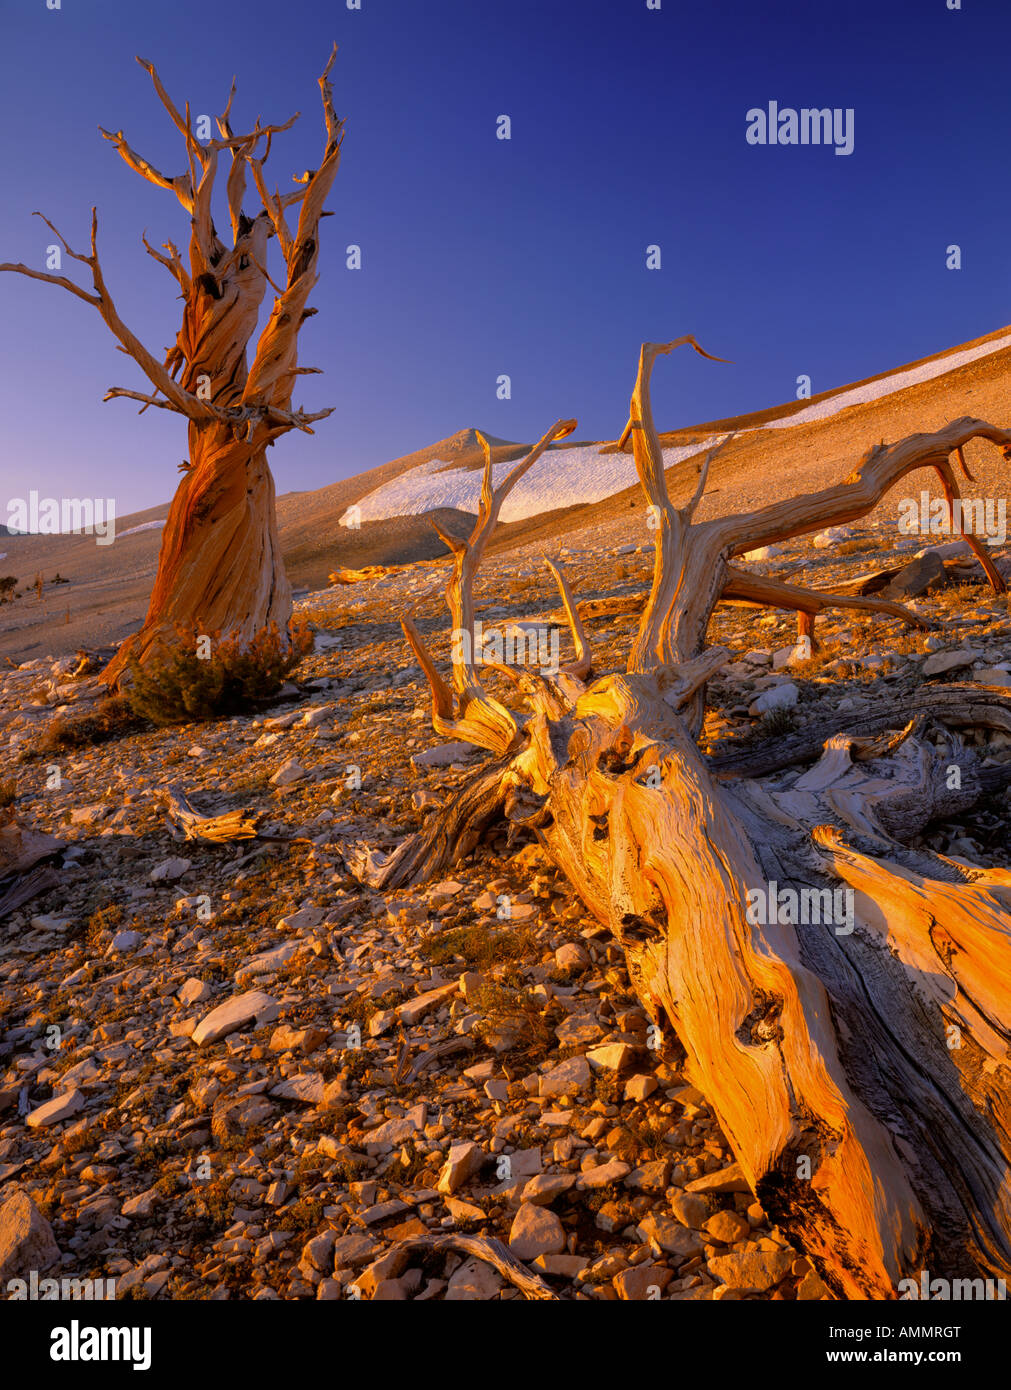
[843, 1000]
[220, 568]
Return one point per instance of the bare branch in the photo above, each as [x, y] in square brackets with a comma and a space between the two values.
[269, 376]
[583, 663]
[468, 555]
[102, 300]
[742, 587]
[960, 455]
[192, 144]
[878, 471]
[138, 396]
[654, 644]
[241, 147]
[181, 185]
[273, 206]
[60, 280]
[952, 494]
[172, 262]
[479, 717]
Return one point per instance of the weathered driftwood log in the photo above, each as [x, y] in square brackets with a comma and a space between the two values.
[220, 568]
[493, 1252]
[185, 820]
[24, 874]
[842, 1000]
[343, 575]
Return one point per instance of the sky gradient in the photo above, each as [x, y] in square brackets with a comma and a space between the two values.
[525, 257]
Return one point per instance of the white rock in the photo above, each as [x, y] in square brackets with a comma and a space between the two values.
[307, 1087]
[61, 1107]
[51, 921]
[779, 697]
[26, 1240]
[267, 740]
[790, 656]
[947, 551]
[236, 1013]
[764, 552]
[566, 1078]
[169, 870]
[281, 721]
[193, 991]
[291, 771]
[269, 961]
[571, 956]
[832, 536]
[474, 1282]
[126, 941]
[443, 755]
[462, 1162]
[948, 661]
[317, 716]
[302, 920]
[536, 1231]
[84, 1073]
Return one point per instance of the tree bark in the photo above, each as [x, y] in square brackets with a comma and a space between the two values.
[220, 569]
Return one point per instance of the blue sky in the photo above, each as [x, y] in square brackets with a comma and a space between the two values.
[525, 257]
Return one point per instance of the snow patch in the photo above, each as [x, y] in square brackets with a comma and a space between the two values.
[559, 478]
[567, 477]
[898, 381]
[144, 526]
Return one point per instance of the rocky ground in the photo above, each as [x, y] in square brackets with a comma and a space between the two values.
[228, 1071]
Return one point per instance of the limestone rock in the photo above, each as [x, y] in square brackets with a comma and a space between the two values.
[536, 1231]
[462, 1162]
[566, 1078]
[948, 661]
[54, 1111]
[26, 1239]
[751, 1271]
[235, 1013]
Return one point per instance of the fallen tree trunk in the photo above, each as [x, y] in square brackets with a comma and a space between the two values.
[842, 1000]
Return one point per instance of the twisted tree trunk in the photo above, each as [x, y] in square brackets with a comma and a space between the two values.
[843, 1001]
[220, 570]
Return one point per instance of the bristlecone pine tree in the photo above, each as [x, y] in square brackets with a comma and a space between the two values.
[861, 1076]
[220, 568]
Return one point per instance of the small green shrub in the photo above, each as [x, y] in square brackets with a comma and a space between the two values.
[8, 584]
[480, 946]
[106, 719]
[774, 723]
[183, 686]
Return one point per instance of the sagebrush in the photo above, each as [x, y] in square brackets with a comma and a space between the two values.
[185, 684]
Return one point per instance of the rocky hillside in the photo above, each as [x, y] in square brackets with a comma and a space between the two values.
[228, 1071]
